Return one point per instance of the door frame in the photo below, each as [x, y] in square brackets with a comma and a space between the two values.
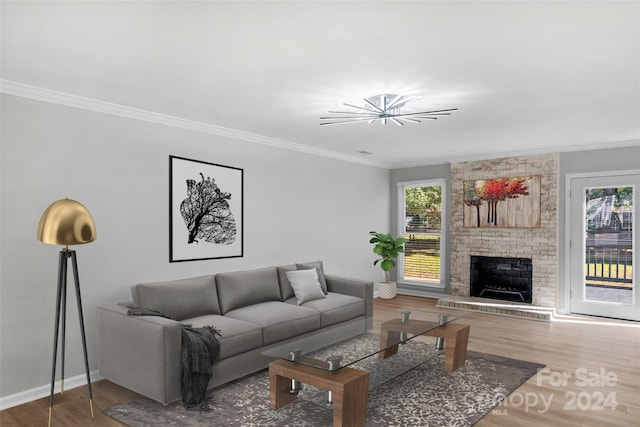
[567, 228]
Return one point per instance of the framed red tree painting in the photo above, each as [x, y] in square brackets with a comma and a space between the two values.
[502, 202]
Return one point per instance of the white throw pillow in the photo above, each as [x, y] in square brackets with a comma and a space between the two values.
[306, 285]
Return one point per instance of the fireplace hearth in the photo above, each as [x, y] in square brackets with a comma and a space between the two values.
[507, 279]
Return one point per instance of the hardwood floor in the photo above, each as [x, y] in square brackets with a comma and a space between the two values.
[577, 347]
[591, 364]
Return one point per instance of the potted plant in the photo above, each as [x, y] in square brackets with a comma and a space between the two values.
[388, 248]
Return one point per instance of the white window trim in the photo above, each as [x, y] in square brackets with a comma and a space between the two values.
[400, 230]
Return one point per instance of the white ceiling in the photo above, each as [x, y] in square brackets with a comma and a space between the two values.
[526, 76]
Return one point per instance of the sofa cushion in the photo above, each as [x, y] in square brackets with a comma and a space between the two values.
[305, 285]
[336, 308]
[285, 286]
[179, 299]
[243, 288]
[278, 320]
[319, 269]
[237, 336]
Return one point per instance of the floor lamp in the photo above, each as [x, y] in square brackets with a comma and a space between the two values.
[66, 222]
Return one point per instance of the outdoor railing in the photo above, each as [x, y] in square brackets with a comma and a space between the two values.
[609, 264]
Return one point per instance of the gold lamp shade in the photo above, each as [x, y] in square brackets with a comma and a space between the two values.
[66, 222]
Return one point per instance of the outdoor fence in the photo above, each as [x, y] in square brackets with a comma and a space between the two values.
[609, 265]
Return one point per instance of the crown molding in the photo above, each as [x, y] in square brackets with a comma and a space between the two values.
[61, 98]
[522, 153]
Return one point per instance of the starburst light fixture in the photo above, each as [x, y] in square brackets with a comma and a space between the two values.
[385, 107]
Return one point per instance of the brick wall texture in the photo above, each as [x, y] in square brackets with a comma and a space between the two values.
[538, 243]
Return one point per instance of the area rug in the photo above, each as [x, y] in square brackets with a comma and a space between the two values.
[425, 395]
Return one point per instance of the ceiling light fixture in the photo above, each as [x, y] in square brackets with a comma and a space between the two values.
[385, 107]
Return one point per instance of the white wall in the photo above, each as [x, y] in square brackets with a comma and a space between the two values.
[298, 208]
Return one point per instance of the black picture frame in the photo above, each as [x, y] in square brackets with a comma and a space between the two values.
[206, 210]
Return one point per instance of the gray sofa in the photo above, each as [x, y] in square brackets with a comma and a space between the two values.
[255, 311]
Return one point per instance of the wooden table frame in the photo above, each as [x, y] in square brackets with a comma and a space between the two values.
[456, 337]
[349, 388]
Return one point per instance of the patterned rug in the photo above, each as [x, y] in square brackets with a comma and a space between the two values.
[425, 395]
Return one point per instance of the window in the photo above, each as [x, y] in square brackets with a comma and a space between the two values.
[420, 207]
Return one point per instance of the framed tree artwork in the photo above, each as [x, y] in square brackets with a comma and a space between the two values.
[205, 210]
[502, 202]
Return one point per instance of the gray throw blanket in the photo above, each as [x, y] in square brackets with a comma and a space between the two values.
[200, 350]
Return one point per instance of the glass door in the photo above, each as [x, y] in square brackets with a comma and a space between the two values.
[420, 207]
[603, 250]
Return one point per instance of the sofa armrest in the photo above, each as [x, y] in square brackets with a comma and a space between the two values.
[141, 353]
[354, 287]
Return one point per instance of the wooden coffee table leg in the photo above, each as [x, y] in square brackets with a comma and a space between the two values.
[350, 403]
[455, 350]
[456, 337]
[279, 390]
[391, 339]
[349, 388]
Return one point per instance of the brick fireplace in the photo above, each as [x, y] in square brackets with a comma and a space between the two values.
[538, 244]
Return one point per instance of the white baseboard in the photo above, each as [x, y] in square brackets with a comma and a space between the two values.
[411, 293]
[45, 390]
[423, 294]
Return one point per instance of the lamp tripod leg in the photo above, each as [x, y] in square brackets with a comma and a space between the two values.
[64, 321]
[62, 283]
[81, 318]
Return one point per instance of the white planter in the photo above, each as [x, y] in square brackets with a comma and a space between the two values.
[387, 290]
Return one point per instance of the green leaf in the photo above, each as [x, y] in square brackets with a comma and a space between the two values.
[387, 265]
[388, 248]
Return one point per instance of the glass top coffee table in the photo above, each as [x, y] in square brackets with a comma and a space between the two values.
[349, 369]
